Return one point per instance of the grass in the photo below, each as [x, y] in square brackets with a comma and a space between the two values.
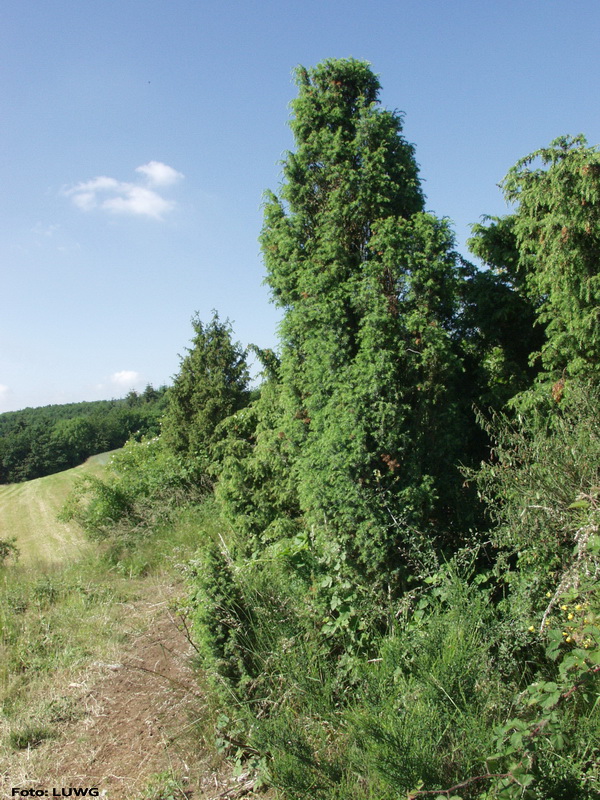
[69, 608]
[55, 602]
[28, 513]
[59, 606]
[29, 736]
[60, 630]
[165, 786]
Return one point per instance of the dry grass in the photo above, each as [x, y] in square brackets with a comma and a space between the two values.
[97, 687]
[124, 720]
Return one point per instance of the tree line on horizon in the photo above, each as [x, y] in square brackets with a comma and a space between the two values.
[40, 441]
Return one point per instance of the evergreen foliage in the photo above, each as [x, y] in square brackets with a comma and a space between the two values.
[556, 234]
[370, 362]
[212, 384]
[256, 488]
[499, 318]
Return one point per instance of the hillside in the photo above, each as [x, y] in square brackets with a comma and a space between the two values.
[35, 442]
[28, 512]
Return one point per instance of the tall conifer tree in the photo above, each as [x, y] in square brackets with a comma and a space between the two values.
[549, 249]
[368, 284]
[557, 227]
[212, 384]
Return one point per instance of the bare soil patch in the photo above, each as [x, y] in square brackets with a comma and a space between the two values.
[136, 719]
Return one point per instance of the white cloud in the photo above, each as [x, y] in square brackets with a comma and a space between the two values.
[138, 200]
[159, 174]
[5, 395]
[123, 197]
[126, 378]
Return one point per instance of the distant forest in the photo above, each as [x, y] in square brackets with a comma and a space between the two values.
[40, 441]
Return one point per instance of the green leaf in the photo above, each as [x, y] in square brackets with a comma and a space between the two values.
[517, 739]
[580, 504]
[558, 740]
[550, 700]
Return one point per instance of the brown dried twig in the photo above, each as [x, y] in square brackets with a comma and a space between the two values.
[468, 782]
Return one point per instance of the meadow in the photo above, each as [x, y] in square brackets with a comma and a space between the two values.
[29, 510]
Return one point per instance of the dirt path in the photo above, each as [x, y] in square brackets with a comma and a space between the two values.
[136, 725]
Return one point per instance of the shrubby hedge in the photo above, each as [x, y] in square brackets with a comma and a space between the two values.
[398, 592]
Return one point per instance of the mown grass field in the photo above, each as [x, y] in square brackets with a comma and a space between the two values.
[28, 512]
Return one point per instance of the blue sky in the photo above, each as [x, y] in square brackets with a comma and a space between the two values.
[139, 135]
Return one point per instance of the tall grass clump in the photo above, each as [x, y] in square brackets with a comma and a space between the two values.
[146, 490]
[52, 617]
[57, 619]
[54, 621]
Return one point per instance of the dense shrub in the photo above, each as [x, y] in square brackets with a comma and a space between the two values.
[146, 484]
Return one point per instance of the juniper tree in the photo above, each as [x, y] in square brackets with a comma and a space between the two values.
[556, 230]
[368, 284]
[212, 384]
[498, 319]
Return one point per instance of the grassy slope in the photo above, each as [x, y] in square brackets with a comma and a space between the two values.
[28, 512]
